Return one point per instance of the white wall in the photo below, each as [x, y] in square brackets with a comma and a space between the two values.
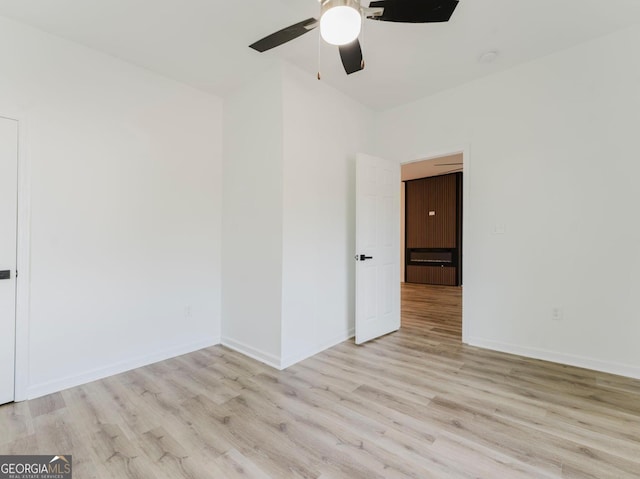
[252, 222]
[125, 209]
[553, 158]
[323, 130]
[288, 228]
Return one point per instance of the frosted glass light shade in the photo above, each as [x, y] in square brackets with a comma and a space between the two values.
[340, 25]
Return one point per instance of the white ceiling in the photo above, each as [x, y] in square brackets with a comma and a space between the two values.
[204, 42]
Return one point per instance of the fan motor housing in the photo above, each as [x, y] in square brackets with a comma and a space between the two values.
[328, 4]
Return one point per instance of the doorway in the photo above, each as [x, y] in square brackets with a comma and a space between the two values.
[431, 242]
[8, 255]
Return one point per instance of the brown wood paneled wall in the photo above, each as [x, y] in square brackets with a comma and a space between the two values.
[441, 195]
[431, 275]
[438, 194]
[415, 213]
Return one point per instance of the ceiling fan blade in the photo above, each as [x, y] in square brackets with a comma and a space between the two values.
[414, 11]
[351, 55]
[285, 35]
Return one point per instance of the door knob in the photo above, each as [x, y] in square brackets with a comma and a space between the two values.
[364, 258]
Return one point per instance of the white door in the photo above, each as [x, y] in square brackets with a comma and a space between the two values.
[377, 247]
[8, 216]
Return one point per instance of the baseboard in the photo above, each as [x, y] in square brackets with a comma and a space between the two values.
[296, 358]
[38, 390]
[254, 353]
[561, 358]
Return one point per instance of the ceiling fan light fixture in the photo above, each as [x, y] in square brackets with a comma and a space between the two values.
[340, 21]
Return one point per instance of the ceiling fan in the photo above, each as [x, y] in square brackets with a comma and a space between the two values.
[341, 21]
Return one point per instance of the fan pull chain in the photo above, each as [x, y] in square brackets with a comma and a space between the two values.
[362, 42]
[319, 53]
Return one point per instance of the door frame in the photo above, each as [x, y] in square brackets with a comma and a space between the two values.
[466, 170]
[23, 260]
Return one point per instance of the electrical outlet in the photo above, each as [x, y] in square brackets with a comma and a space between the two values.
[556, 313]
[187, 311]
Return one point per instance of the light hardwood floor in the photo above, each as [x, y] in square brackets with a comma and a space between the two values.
[415, 404]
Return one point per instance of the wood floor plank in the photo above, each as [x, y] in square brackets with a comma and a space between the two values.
[414, 404]
[234, 465]
[46, 404]
[173, 459]
[15, 421]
